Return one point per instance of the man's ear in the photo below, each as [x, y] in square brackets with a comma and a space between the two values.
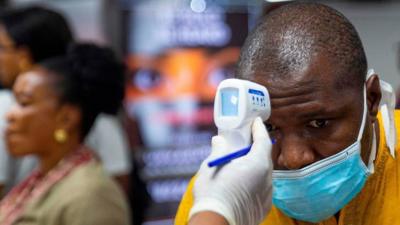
[374, 96]
[25, 60]
[69, 118]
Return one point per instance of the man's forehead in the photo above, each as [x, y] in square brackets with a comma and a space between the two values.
[319, 73]
[293, 85]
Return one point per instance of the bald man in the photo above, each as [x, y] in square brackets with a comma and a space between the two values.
[336, 153]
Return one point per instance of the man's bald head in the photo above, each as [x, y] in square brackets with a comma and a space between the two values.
[290, 37]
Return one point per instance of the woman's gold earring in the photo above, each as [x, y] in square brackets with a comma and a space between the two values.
[61, 136]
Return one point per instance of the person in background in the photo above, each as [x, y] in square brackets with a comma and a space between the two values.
[336, 151]
[27, 36]
[57, 103]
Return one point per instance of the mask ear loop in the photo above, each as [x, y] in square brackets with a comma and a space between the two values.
[361, 132]
[386, 107]
[372, 155]
[364, 116]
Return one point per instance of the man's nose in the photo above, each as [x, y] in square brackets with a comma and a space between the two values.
[295, 153]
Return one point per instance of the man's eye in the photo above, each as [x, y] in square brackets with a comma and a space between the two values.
[270, 127]
[318, 123]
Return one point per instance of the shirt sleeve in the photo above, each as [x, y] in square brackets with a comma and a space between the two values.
[186, 204]
[108, 139]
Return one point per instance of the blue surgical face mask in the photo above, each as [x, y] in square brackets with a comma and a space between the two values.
[318, 191]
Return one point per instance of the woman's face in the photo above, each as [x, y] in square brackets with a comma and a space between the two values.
[34, 118]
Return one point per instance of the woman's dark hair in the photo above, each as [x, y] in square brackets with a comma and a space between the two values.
[43, 31]
[91, 78]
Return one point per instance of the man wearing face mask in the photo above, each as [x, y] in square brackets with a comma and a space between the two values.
[336, 152]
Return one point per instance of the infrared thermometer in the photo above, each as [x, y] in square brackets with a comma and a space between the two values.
[237, 103]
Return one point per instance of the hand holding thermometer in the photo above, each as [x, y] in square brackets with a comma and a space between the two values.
[237, 103]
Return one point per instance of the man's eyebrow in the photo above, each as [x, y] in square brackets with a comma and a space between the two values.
[320, 112]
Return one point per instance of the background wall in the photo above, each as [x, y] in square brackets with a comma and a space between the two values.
[379, 27]
[378, 23]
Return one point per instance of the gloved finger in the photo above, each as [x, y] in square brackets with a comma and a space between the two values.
[218, 146]
[261, 140]
[259, 131]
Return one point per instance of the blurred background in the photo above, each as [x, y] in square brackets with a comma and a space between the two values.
[177, 52]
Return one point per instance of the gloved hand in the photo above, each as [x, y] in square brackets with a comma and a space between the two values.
[241, 190]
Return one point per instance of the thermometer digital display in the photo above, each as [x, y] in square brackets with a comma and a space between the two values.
[237, 103]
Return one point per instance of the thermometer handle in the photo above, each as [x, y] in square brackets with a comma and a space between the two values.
[229, 157]
[237, 138]
[239, 144]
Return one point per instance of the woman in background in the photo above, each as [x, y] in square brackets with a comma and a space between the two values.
[28, 36]
[57, 103]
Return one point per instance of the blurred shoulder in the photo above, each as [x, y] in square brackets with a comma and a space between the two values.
[88, 196]
[89, 179]
[85, 196]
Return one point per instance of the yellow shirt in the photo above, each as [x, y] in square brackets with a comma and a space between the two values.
[377, 204]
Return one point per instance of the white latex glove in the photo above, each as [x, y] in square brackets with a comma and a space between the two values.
[240, 190]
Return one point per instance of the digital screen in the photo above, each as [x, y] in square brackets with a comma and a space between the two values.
[230, 101]
[176, 56]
